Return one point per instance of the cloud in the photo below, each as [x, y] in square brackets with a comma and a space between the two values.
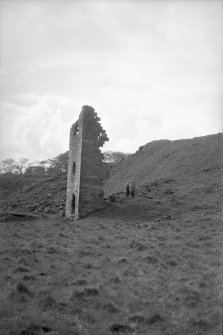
[125, 144]
[38, 131]
[151, 70]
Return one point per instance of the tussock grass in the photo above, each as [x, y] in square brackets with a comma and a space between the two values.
[137, 318]
[29, 278]
[120, 328]
[21, 269]
[154, 319]
[48, 302]
[111, 308]
[22, 288]
[85, 292]
[52, 250]
[80, 282]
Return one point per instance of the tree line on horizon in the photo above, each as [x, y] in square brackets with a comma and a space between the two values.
[54, 166]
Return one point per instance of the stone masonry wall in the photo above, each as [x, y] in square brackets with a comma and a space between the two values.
[85, 167]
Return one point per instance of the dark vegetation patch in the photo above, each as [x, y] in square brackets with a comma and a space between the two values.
[120, 328]
[80, 282]
[151, 259]
[137, 318]
[200, 324]
[35, 329]
[115, 280]
[52, 250]
[22, 288]
[48, 302]
[137, 245]
[155, 318]
[21, 269]
[85, 292]
[9, 216]
[32, 329]
[29, 278]
[172, 262]
[110, 307]
[85, 252]
[122, 260]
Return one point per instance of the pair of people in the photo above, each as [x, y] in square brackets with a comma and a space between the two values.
[130, 189]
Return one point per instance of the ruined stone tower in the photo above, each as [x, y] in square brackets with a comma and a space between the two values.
[85, 167]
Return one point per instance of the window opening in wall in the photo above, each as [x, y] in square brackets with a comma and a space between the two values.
[74, 167]
[76, 130]
[73, 204]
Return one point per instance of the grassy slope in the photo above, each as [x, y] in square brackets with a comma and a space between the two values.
[116, 269]
[192, 165]
[194, 161]
[33, 193]
[145, 265]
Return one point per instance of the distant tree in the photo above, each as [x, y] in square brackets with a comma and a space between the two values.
[45, 164]
[114, 156]
[21, 165]
[36, 170]
[57, 165]
[7, 165]
[111, 159]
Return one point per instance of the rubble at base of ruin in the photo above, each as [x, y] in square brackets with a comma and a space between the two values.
[85, 168]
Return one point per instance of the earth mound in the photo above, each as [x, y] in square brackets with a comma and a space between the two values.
[38, 194]
[191, 168]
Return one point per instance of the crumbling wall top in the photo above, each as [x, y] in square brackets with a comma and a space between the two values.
[91, 120]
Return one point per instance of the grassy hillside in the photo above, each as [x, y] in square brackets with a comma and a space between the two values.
[33, 193]
[151, 264]
[189, 166]
[112, 274]
[188, 161]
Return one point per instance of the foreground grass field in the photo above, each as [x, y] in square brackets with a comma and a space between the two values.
[137, 267]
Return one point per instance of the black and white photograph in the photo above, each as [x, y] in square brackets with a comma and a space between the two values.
[111, 167]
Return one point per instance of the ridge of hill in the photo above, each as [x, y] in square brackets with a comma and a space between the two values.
[191, 163]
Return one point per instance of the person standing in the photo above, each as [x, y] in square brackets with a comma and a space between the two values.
[132, 190]
[127, 190]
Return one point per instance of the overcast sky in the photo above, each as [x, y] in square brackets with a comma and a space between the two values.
[151, 69]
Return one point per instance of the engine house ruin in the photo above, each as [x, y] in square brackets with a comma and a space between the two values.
[85, 167]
